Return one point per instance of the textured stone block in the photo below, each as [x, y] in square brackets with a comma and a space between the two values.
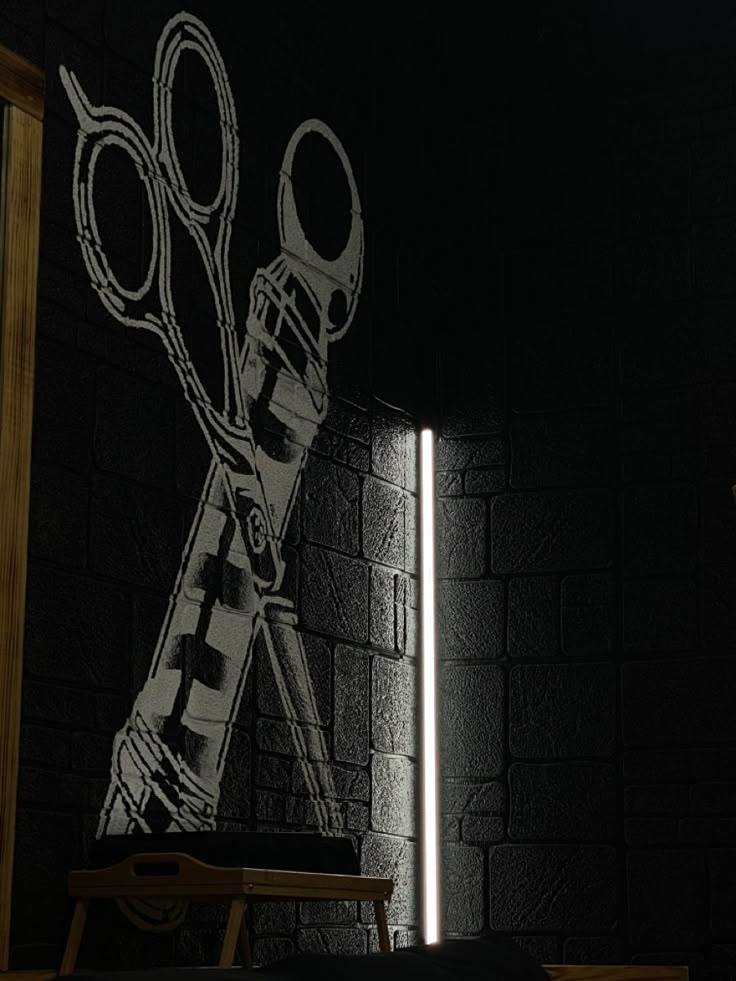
[357, 817]
[345, 451]
[348, 420]
[484, 481]
[349, 783]
[334, 594]
[86, 619]
[91, 753]
[393, 798]
[552, 531]
[135, 534]
[394, 706]
[274, 917]
[462, 889]
[236, 786]
[588, 615]
[339, 911]
[544, 949]
[451, 827]
[471, 619]
[388, 609]
[51, 703]
[659, 528]
[563, 801]
[469, 454]
[660, 615]
[63, 407]
[411, 556]
[46, 746]
[481, 829]
[392, 858]
[462, 797]
[592, 950]
[332, 940]
[384, 523]
[562, 710]
[58, 509]
[352, 706]
[553, 887]
[319, 666]
[461, 538]
[561, 451]
[270, 807]
[471, 706]
[42, 787]
[331, 505]
[273, 773]
[449, 483]
[679, 703]
[134, 428]
[270, 950]
[275, 736]
[667, 899]
[533, 620]
[391, 457]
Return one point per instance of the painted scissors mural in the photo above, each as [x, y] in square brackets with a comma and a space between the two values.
[169, 757]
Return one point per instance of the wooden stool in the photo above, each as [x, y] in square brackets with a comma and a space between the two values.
[176, 875]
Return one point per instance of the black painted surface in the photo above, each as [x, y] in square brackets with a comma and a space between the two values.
[586, 408]
[119, 460]
[550, 209]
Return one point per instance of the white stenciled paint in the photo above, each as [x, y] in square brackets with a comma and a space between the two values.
[227, 592]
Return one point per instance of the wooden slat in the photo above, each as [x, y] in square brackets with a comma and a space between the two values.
[195, 879]
[22, 146]
[21, 83]
[615, 972]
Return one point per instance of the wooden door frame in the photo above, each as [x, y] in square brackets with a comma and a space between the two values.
[22, 87]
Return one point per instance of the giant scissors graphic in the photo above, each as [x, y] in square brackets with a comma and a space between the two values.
[169, 756]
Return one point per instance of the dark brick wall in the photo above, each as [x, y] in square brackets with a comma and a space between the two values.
[585, 467]
[118, 464]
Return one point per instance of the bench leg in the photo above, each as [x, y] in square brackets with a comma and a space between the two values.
[384, 944]
[232, 932]
[75, 937]
[246, 959]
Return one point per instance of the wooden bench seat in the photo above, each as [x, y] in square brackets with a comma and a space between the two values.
[175, 874]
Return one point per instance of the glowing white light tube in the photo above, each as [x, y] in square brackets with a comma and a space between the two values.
[429, 752]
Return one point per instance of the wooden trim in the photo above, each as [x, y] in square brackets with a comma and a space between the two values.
[21, 83]
[79, 919]
[192, 879]
[22, 181]
[615, 972]
[232, 932]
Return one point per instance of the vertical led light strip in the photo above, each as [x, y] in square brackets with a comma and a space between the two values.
[429, 751]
